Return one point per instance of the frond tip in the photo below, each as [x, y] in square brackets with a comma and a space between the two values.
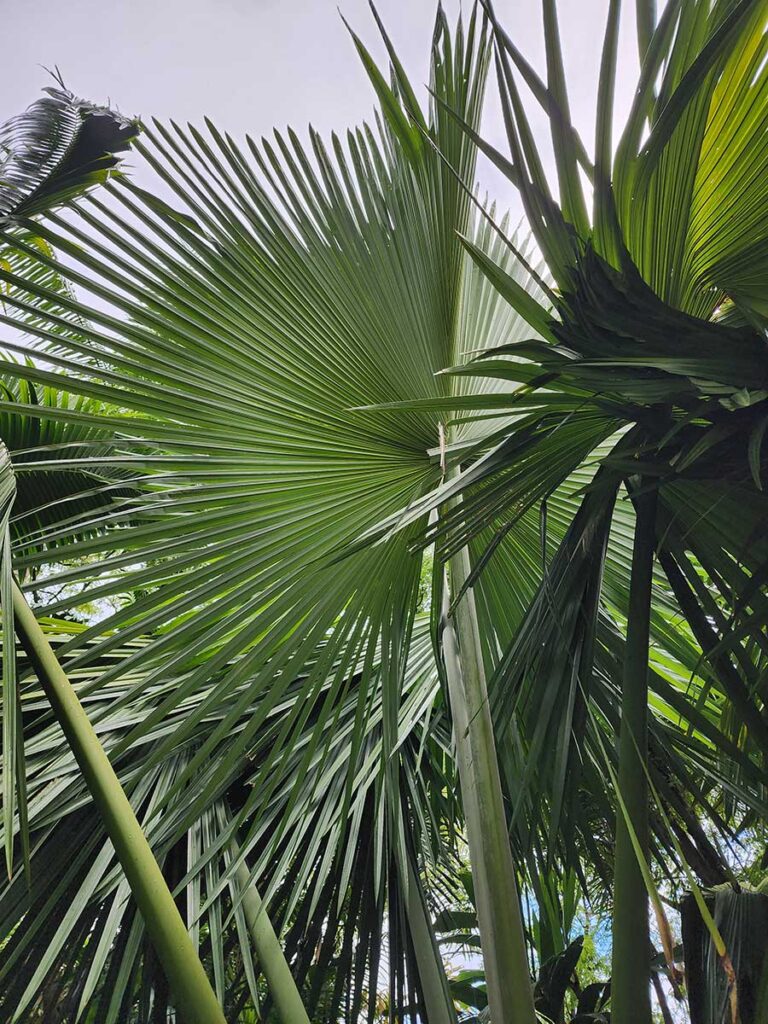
[59, 146]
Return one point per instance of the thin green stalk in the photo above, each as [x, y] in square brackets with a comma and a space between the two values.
[645, 16]
[630, 978]
[432, 979]
[510, 993]
[191, 991]
[282, 985]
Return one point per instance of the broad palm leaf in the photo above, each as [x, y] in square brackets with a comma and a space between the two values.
[56, 149]
[241, 331]
[326, 868]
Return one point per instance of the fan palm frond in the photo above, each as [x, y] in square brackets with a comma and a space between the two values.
[302, 282]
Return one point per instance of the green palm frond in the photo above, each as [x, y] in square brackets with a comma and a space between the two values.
[324, 858]
[55, 149]
[269, 698]
[51, 497]
[636, 349]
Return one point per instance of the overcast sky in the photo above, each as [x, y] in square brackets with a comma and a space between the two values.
[252, 65]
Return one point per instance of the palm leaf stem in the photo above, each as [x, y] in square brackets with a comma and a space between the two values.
[188, 981]
[510, 994]
[630, 996]
[282, 986]
[432, 978]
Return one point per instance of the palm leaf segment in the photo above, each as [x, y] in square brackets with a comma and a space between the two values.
[49, 495]
[49, 154]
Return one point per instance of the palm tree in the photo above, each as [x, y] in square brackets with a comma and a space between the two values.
[652, 369]
[270, 692]
[299, 285]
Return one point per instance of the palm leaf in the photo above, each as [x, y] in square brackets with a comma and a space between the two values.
[268, 680]
[54, 150]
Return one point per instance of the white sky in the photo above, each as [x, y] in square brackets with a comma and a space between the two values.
[252, 65]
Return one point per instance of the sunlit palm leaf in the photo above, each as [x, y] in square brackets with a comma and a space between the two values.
[269, 681]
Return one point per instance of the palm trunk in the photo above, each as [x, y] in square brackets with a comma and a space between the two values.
[432, 980]
[630, 981]
[189, 985]
[510, 993]
[281, 983]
